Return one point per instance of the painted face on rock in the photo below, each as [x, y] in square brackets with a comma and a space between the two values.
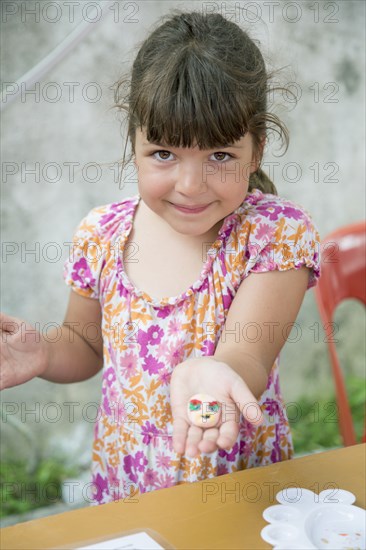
[204, 411]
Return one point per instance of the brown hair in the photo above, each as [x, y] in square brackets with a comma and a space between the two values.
[200, 79]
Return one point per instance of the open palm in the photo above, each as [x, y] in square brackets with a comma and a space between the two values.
[22, 354]
[209, 376]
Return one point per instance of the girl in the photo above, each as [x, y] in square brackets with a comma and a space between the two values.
[193, 282]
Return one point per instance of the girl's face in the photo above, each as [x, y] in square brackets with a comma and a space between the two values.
[190, 189]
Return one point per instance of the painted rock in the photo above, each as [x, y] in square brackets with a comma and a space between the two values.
[204, 410]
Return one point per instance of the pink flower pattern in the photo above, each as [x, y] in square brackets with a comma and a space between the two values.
[133, 449]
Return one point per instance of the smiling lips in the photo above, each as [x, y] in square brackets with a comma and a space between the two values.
[190, 209]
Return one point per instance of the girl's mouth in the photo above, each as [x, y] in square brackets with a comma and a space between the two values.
[190, 209]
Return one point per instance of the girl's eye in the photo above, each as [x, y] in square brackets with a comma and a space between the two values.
[221, 156]
[163, 155]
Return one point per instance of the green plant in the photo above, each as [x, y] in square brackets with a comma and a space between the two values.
[22, 490]
[314, 421]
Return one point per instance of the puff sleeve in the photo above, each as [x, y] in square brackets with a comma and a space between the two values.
[283, 236]
[83, 267]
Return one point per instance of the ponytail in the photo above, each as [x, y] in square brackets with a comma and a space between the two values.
[260, 180]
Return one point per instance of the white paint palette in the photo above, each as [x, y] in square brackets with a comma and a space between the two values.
[304, 520]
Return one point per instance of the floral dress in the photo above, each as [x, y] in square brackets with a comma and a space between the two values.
[144, 338]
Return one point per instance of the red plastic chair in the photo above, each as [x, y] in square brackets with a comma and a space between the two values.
[343, 269]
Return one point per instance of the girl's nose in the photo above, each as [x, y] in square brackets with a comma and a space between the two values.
[190, 179]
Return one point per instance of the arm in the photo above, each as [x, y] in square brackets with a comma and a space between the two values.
[70, 353]
[78, 354]
[263, 310]
[238, 372]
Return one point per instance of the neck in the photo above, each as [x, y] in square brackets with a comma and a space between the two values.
[146, 217]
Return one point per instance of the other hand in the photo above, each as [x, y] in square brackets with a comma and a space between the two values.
[22, 352]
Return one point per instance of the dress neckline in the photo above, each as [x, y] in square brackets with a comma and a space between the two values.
[211, 253]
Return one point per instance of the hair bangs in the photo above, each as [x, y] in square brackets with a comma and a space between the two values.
[191, 104]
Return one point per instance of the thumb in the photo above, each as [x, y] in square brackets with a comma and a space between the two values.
[9, 324]
[246, 402]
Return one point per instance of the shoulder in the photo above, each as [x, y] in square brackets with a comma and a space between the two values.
[270, 232]
[271, 208]
[106, 221]
[91, 245]
[266, 217]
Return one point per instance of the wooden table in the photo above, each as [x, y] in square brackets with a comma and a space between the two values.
[220, 513]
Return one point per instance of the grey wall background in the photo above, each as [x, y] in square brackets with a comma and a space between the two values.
[322, 46]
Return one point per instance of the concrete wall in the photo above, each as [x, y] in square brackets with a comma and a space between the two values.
[321, 43]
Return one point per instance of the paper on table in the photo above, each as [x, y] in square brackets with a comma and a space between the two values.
[137, 541]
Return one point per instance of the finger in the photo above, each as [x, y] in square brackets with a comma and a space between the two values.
[194, 437]
[247, 403]
[228, 434]
[180, 432]
[9, 324]
[209, 439]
